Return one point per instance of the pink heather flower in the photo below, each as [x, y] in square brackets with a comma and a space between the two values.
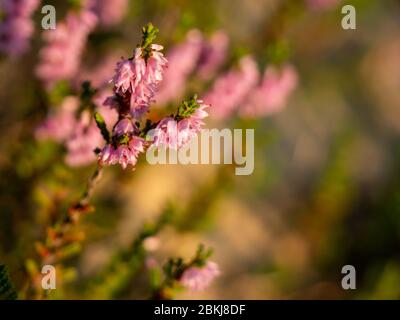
[213, 55]
[182, 61]
[155, 65]
[60, 123]
[322, 4]
[124, 126]
[189, 127]
[109, 12]
[199, 278]
[174, 135]
[272, 94]
[230, 90]
[166, 133]
[17, 27]
[139, 78]
[60, 58]
[124, 154]
[128, 74]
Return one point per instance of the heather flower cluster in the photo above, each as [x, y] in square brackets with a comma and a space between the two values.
[60, 58]
[118, 117]
[176, 132]
[135, 84]
[137, 78]
[125, 147]
[199, 278]
[194, 275]
[16, 27]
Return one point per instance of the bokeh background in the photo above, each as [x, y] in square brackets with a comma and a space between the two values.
[325, 191]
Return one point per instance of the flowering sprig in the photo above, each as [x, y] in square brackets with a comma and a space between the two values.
[194, 275]
[135, 82]
[136, 79]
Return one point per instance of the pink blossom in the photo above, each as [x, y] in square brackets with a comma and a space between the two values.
[155, 65]
[272, 94]
[231, 89]
[123, 127]
[109, 12]
[166, 133]
[182, 61]
[60, 123]
[139, 78]
[124, 154]
[176, 134]
[199, 278]
[189, 127]
[213, 55]
[60, 58]
[128, 74]
[17, 27]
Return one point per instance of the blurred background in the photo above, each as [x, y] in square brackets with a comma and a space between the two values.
[325, 191]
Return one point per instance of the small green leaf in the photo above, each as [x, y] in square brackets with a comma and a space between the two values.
[149, 35]
[101, 124]
[187, 108]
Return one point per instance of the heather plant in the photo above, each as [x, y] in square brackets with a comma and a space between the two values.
[78, 173]
[135, 82]
[116, 127]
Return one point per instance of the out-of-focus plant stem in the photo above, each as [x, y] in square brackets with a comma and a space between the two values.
[61, 240]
